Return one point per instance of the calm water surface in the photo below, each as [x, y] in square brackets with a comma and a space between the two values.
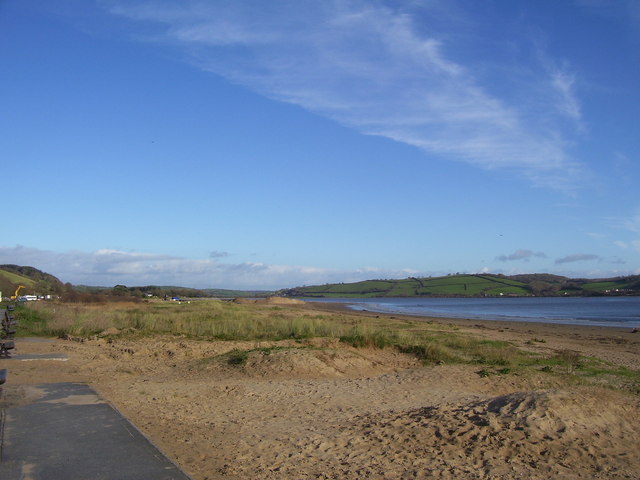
[601, 311]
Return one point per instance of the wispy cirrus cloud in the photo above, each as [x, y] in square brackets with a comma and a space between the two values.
[367, 65]
[632, 223]
[633, 244]
[568, 105]
[525, 255]
[108, 267]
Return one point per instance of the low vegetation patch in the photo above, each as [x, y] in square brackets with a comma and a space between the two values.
[237, 357]
[430, 353]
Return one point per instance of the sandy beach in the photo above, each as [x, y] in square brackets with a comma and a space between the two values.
[335, 411]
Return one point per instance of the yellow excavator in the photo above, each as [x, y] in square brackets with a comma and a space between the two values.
[15, 295]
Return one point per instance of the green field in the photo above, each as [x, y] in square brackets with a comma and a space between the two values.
[472, 286]
[620, 284]
[14, 278]
[453, 285]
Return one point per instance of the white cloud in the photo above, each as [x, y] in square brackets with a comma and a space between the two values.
[617, 261]
[366, 66]
[577, 257]
[521, 255]
[111, 267]
[596, 235]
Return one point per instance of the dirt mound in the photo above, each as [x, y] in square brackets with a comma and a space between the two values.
[283, 301]
[315, 358]
[244, 301]
[296, 363]
[284, 360]
[535, 435]
[269, 301]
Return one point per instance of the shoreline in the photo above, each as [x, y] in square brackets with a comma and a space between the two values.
[630, 321]
[589, 340]
[345, 307]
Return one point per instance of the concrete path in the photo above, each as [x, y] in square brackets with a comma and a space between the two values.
[64, 431]
[25, 357]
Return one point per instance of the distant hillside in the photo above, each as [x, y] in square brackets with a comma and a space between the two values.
[36, 282]
[171, 291]
[473, 286]
[222, 293]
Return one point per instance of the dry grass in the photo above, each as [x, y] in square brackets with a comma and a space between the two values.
[220, 320]
[207, 318]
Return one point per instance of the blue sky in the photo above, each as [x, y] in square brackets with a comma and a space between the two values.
[251, 144]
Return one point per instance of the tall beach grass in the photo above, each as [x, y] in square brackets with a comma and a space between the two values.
[212, 319]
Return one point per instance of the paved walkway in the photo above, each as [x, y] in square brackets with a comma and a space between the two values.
[25, 357]
[66, 432]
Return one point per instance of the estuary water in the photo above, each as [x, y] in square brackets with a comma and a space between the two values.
[595, 311]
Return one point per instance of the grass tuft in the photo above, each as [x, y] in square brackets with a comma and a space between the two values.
[237, 357]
